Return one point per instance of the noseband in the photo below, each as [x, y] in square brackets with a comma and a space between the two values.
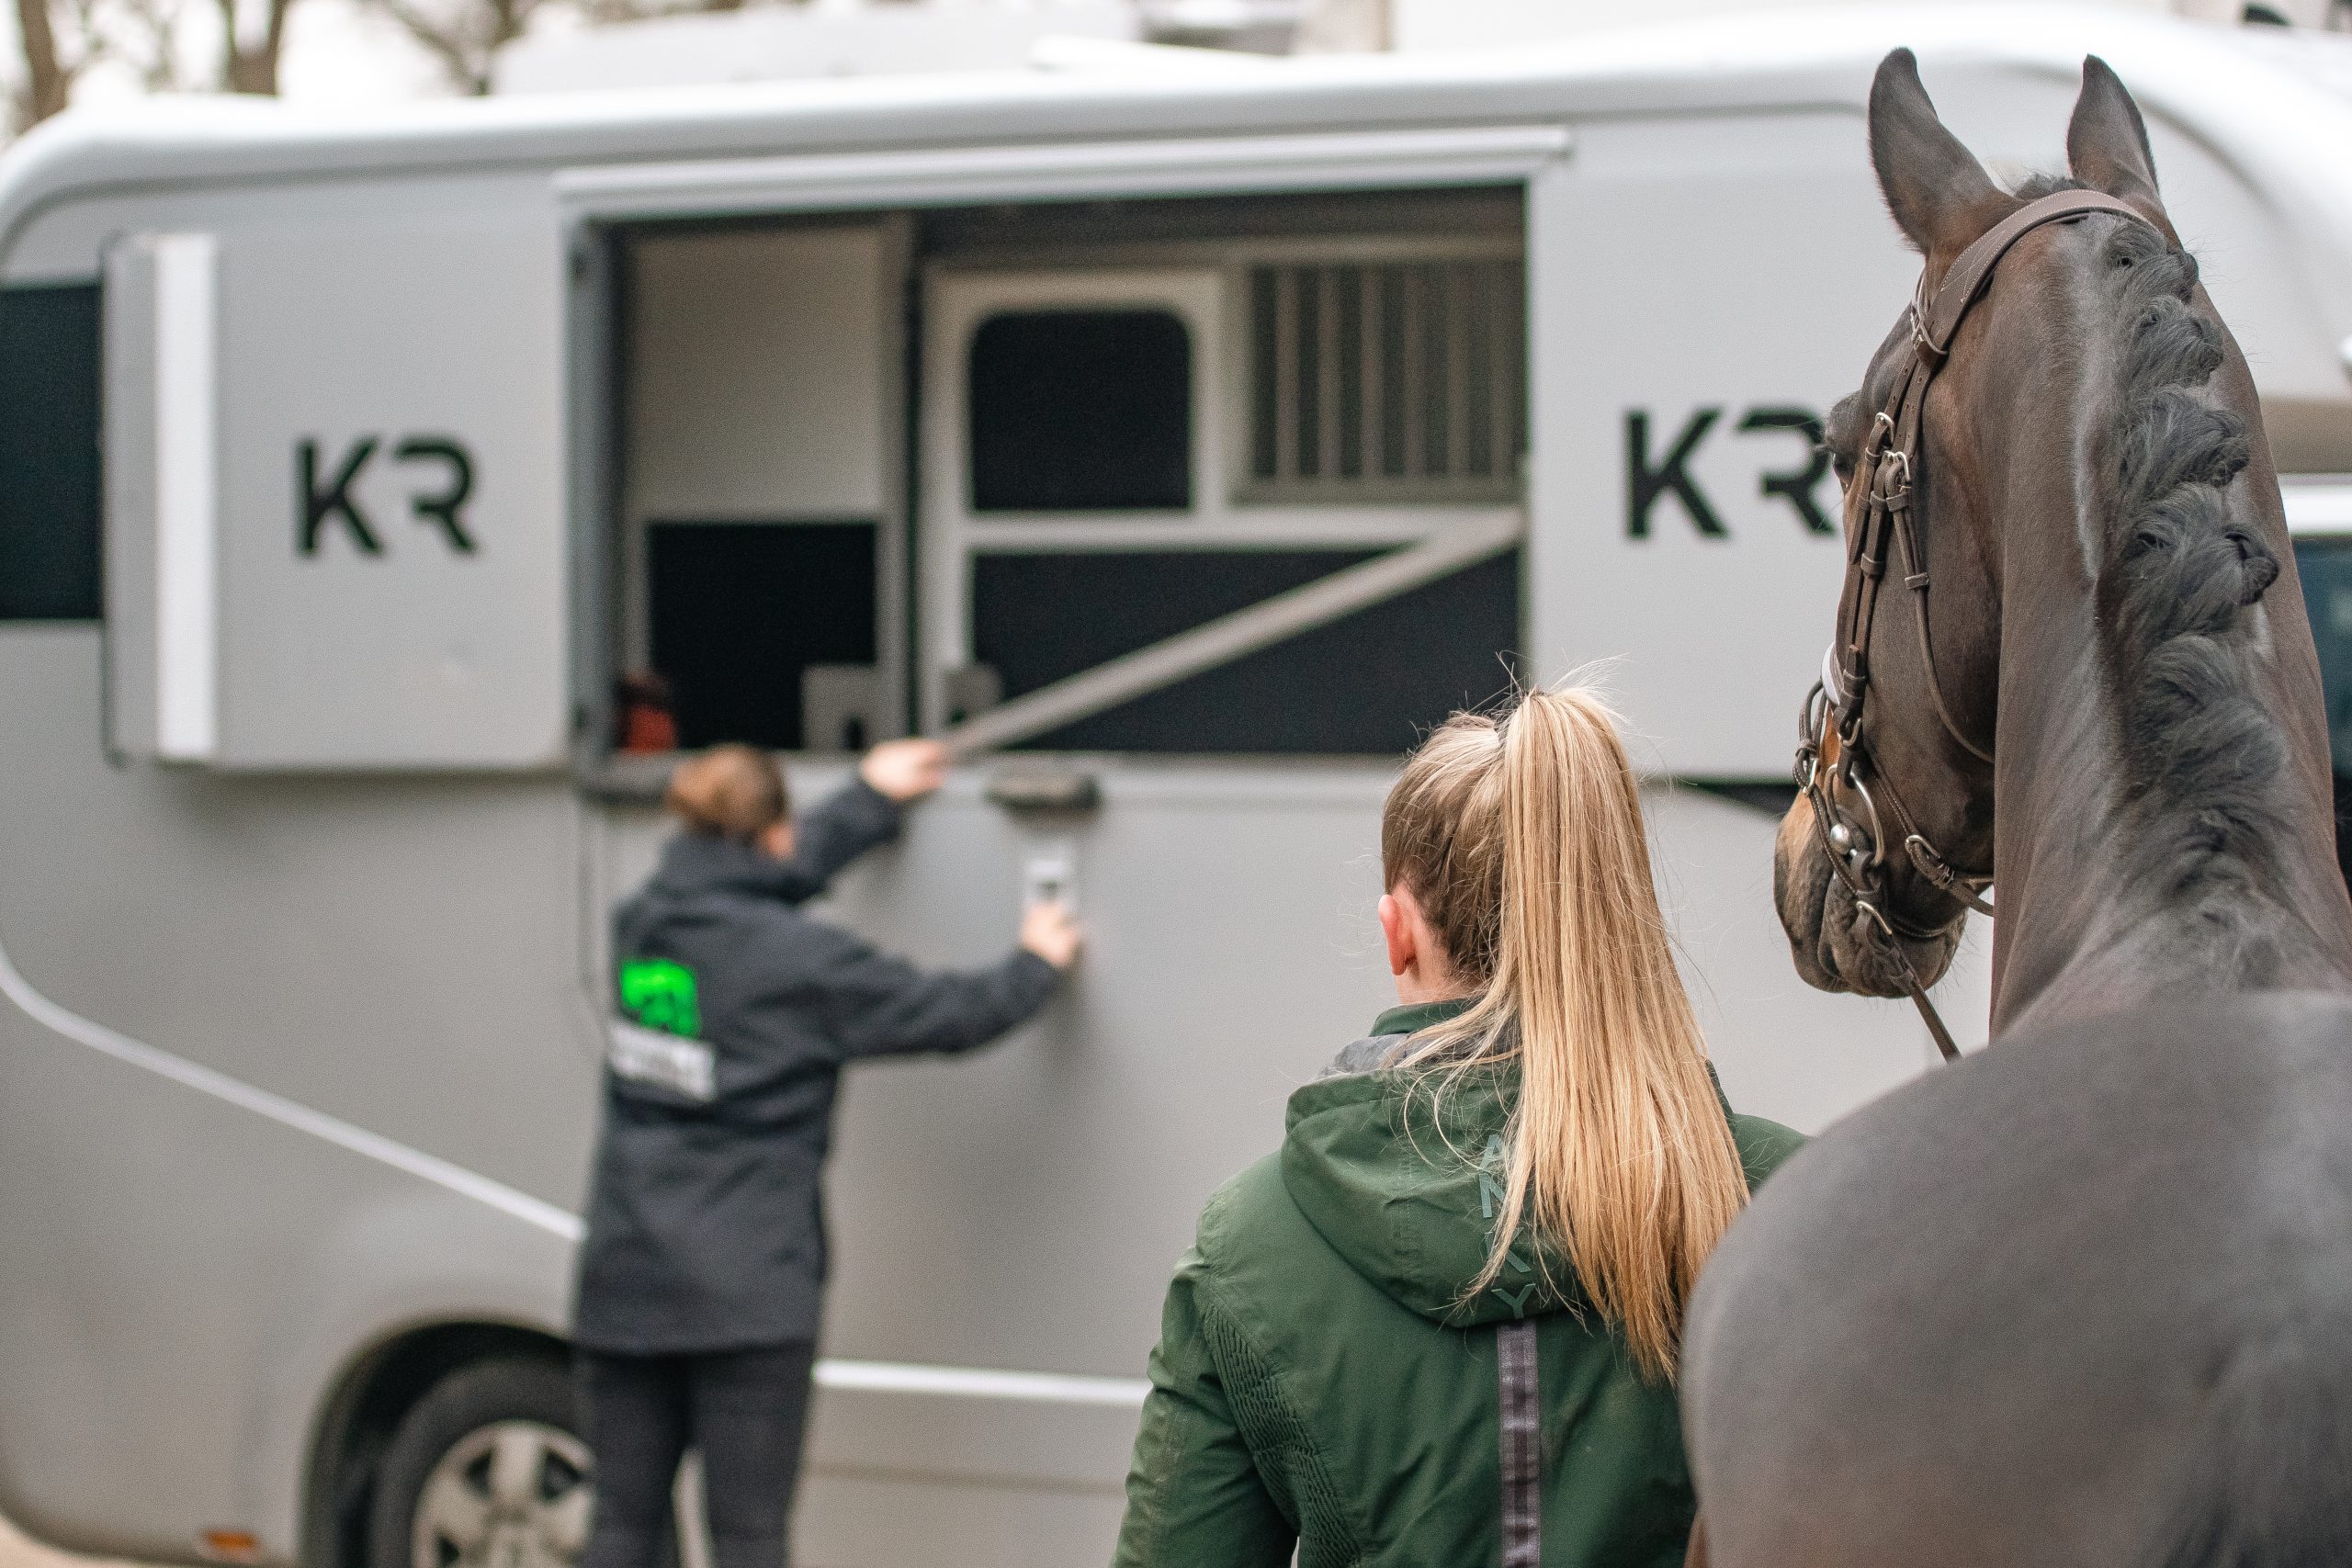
[1856, 812]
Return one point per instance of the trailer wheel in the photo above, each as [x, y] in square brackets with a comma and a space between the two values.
[486, 1471]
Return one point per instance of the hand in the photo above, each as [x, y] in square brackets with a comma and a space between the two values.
[1047, 931]
[905, 769]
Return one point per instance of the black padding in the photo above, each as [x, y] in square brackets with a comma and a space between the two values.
[1081, 411]
[1369, 684]
[741, 609]
[48, 453]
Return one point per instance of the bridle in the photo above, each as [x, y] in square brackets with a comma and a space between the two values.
[1857, 811]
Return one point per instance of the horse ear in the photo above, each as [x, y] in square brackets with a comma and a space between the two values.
[2107, 141]
[1940, 196]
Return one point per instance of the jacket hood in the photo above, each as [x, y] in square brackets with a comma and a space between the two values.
[1405, 1179]
[695, 863]
[1407, 1183]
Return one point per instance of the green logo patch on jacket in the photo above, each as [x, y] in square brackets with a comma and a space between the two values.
[661, 994]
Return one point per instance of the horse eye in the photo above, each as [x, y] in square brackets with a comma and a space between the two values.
[1841, 463]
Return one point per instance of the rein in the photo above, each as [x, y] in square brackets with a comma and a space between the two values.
[1834, 763]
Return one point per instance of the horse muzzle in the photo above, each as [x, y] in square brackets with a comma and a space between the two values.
[1836, 944]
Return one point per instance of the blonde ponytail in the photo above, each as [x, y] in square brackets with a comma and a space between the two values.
[1522, 841]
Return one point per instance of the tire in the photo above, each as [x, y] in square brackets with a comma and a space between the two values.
[487, 1470]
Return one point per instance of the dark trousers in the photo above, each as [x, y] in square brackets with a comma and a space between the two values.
[746, 1410]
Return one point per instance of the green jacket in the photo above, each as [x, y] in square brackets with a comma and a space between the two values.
[1320, 1380]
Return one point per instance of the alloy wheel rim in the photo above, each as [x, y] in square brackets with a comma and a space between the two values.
[510, 1494]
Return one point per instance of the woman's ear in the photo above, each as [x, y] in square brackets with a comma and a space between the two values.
[1398, 927]
[1403, 925]
[776, 840]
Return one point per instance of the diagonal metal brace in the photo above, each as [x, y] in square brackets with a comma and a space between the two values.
[1228, 637]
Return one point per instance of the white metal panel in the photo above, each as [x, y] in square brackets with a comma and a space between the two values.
[160, 389]
[1167, 166]
[2319, 504]
[188, 494]
[391, 542]
[1707, 275]
[127, 441]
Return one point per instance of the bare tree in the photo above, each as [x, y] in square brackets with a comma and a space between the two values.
[461, 35]
[63, 39]
[250, 65]
[54, 56]
[143, 36]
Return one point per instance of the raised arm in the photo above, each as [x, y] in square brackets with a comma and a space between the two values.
[864, 813]
[835, 831]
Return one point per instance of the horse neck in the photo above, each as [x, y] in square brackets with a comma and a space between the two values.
[2134, 859]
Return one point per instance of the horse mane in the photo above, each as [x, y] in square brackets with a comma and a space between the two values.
[2178, 591]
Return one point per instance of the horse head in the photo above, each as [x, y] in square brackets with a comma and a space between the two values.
[2052, 368]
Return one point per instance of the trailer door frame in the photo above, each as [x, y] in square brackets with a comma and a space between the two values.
[594, 200]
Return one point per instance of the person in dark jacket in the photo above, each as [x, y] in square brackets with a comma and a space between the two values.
[1439, 1325]
[702, 1273]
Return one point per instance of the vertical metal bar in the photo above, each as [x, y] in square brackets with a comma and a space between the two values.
[1515, 361]
[1327, 366]
[1502, 358]
[1260, 428]
[1414, 384]
[1285, 375]
[1456, 285]
[1376, 372]
[1367, 443]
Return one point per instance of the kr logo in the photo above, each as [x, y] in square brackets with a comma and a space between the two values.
[319, 502]
[1650, 476]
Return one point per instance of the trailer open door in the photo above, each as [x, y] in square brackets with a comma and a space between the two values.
[334, 535]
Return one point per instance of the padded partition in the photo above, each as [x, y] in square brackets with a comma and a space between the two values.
[1369, 684]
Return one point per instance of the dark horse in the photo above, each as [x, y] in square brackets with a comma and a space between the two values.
[2086, 1297]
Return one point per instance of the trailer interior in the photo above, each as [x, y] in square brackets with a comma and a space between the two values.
[878, 473]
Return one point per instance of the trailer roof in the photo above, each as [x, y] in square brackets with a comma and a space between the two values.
[2277, 107]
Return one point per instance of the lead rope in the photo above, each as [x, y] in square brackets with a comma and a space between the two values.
[1927, 1013]
[1522, 1446]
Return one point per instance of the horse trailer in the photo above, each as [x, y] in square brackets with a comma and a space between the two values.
[1178, 445]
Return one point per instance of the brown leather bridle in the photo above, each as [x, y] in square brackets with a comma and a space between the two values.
[1834, 767]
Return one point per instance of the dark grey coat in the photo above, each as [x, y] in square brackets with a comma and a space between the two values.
[706, 1220]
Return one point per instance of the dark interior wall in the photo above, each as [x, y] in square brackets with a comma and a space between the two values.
[48, 453]
[741, 609]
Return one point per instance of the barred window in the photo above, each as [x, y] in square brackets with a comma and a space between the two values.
[1397, 382]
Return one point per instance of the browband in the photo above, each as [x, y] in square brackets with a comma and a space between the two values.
[1967, 279]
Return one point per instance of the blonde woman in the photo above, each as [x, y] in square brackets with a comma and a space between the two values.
[1439, 1327]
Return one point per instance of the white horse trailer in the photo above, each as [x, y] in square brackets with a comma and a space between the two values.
[1180, 445]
